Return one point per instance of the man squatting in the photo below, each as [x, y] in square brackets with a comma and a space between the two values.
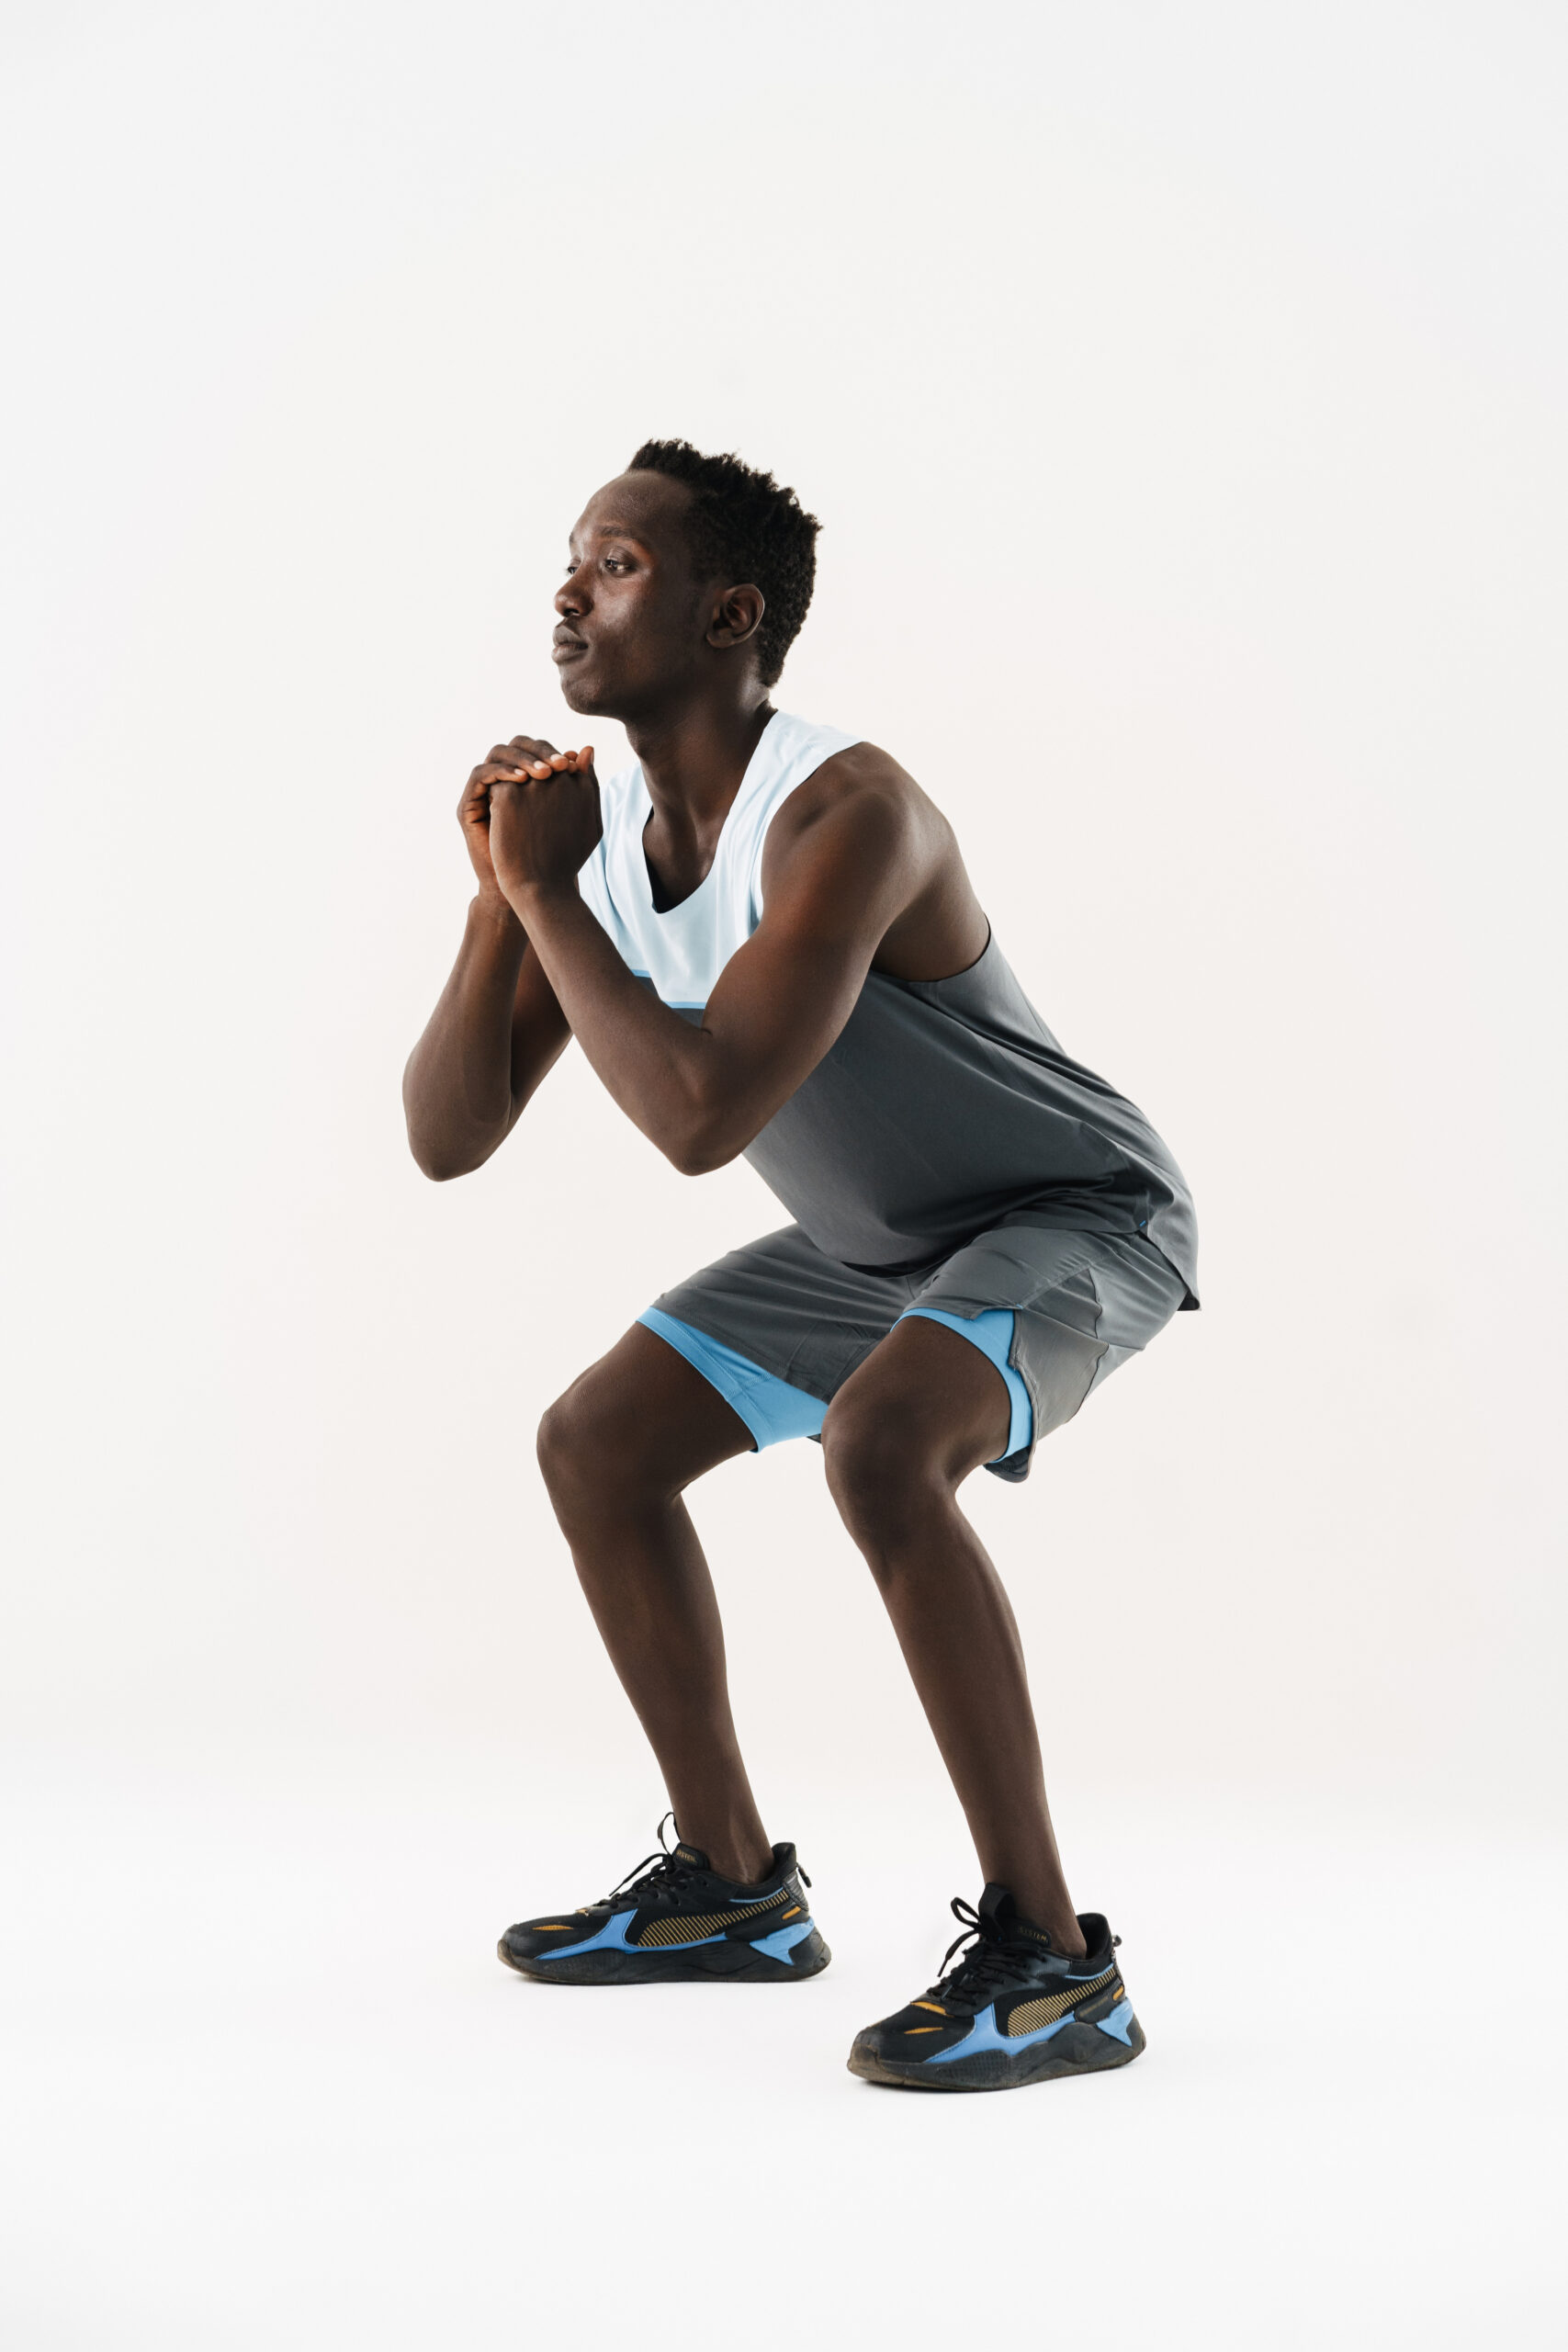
[763, 939]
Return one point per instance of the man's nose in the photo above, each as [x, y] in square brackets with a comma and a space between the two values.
[570, 599]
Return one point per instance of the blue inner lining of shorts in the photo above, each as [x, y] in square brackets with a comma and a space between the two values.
[769, 1408]
[773, 1410]
[991, 1332]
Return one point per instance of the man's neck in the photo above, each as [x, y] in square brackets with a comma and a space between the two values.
[693, 760]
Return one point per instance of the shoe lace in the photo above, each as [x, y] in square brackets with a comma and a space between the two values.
[986, 1969]
[659, 1880]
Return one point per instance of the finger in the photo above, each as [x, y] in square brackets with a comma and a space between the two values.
[520, 757]
[532, 747]
[482, 777]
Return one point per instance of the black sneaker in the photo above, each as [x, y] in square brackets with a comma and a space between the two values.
[1014, 2010]
[678, 1922]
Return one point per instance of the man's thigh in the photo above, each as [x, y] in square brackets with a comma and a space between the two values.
[643, 1412]
[789, 1310]
[993, 1349]
[789, 1335]
[925, 1398]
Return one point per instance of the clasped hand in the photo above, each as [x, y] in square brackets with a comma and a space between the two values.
[530, 815]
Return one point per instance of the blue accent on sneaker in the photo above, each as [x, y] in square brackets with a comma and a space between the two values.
[781, 1944]
[611, 1936]
[983, 2035]
[991, 1332]
[771, 1408]
[1116, 2024]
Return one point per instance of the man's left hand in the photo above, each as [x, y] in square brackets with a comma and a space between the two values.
[544, 823]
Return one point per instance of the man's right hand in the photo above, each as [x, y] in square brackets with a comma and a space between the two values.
[497, 1027]
[526, 756]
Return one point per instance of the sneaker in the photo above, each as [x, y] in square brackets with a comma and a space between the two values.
[1014, 2010]
[676, 1922]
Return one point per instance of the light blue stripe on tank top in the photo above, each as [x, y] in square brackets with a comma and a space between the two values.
[675, 1004]
[773, 1410]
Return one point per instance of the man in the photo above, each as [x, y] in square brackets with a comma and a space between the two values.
[763, 938]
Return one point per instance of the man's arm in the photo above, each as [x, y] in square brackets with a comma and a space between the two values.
[843, 861]
[497, 1028]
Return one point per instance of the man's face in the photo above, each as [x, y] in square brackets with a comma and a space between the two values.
[633, 617]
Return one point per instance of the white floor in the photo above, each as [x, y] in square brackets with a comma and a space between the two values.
[267, 2087]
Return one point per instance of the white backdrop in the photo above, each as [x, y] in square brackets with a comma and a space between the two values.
[1181, 390]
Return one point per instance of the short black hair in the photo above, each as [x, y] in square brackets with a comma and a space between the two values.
[748, 528]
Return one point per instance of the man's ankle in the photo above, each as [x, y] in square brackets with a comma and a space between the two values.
[748, 1865]
[1060, 1925]
[742, 1854]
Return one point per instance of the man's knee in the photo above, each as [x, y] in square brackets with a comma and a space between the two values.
[883, 1478]
[607, 1447]
[583, 1443]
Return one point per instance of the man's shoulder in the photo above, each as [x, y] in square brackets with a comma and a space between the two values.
[859, 815]
[860, 775]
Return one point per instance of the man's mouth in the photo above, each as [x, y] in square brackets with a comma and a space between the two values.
[567, 647]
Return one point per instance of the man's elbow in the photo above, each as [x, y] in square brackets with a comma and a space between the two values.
[439, 1158]
[705, 1147]
[708, 1144]
[691, 1161]
[440, 1167]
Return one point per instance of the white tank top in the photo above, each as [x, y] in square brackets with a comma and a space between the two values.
[683, 952]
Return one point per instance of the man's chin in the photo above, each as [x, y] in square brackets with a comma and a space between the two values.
[582, 695]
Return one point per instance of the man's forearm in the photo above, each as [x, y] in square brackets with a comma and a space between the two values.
[458, 1090]
[663, 1073]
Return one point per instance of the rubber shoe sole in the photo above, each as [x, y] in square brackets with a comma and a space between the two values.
[1078, 2049]
[731, 1963]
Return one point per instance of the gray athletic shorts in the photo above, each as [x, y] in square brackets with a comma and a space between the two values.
[778, 1326]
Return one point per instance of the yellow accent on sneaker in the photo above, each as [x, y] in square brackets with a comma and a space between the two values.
[1034, 2014]
[678, 1929]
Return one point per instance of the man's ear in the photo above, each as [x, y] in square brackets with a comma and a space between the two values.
[737, 617]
